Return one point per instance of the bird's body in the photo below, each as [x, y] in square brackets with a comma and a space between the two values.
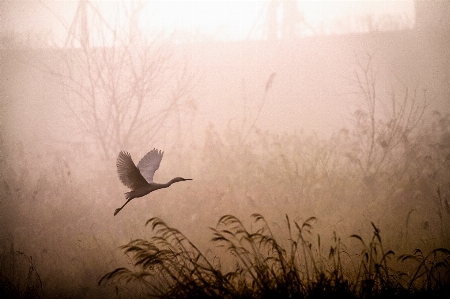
[140, 179]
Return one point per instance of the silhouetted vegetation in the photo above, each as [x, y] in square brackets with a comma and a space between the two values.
[18, 275]
[168, 265]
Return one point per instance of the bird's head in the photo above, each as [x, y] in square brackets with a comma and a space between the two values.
[178, 179]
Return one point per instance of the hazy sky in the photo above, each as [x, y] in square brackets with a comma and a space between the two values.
[219, 19]
[235, 19]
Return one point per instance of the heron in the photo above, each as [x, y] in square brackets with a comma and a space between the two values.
[140, 179]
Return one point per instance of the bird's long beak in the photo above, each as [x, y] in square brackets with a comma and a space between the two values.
[188, 179]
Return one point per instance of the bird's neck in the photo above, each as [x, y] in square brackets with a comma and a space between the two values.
[156, 186]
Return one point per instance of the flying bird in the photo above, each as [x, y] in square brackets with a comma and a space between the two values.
[140, 179]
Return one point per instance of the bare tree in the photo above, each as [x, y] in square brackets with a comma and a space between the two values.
[121, 87]
[384, 122]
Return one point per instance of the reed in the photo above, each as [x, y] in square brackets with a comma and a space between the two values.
[169, 265]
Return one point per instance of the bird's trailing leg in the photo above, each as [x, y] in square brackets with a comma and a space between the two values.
[118, 210]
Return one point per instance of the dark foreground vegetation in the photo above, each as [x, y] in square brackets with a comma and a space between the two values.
[169, 265]
[256, 264]
[16, 282]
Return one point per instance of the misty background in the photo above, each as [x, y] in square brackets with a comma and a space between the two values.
[336, 109]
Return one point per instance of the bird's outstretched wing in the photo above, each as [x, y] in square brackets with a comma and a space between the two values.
[150, 163]
[129, 174]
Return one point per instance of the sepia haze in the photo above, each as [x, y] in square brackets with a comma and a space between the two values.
[346, 118]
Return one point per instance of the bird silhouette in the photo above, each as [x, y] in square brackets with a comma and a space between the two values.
[140, 179]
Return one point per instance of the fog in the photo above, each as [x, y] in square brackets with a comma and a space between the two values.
[351, 128]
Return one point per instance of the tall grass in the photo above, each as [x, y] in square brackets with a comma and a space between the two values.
[18, 275]
[168, 265]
